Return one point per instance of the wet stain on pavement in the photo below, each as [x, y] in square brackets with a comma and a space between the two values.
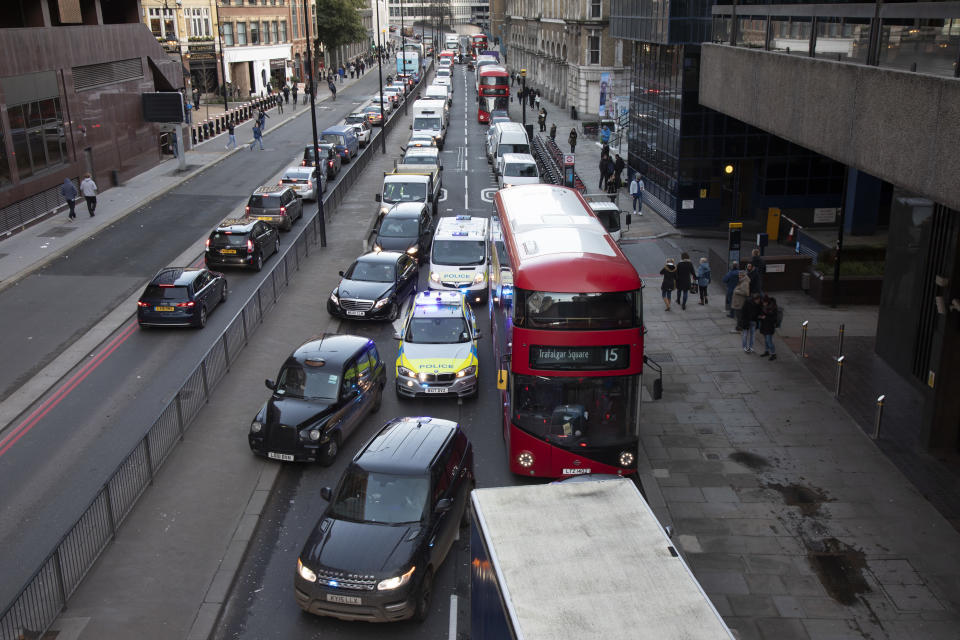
[750, 460]
[839, 568]
[806, 498]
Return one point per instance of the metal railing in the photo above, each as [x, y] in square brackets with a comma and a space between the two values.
[47, 591]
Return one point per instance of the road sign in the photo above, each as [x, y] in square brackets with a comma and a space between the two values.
[568, 159]
[163, 106]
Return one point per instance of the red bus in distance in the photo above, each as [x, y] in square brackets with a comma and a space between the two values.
[493, 91]
[566, 326]
[478, 43]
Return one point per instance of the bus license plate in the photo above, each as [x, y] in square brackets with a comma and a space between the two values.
[351, 312]
[576, 472]
[435, 390]
[286, 457]
[343, 599]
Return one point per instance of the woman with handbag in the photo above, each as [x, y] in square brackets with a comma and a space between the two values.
[703, 279]
[669, 273]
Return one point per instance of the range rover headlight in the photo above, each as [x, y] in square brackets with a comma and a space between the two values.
[256, 426]
[413, 250]
[399, 581]
[314, 434]
[467, 371]
[305, 572]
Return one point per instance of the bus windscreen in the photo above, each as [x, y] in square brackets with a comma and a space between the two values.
[572, 311]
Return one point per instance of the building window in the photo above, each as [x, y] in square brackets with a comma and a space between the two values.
[266, 32]
[295, 17]
[5, 178]
[593, 47]
[198, 21]
[163, 23]
[255, 32]
[228, 34]
[38, 139]
[241, 33]
[595, 6]
[276, 31]
[283, 31]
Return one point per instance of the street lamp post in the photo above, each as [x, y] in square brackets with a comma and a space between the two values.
[523, 96]
[313, 121]
[383, 137]
[223, 68]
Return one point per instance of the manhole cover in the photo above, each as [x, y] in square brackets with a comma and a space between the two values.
[750, 460]
[840, 570]
[57, 232]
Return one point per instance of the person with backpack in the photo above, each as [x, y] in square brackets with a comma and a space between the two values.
[768, 324]
[703, 279]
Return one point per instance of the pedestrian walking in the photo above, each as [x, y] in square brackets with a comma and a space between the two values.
[553, 132]
[612, 188]
[542, 119]
[669, 273]
[89, 190]
[768, 326]
[636, 190]
[685, 275]
[333, 88]
[513, 79]
[286, 94]
[352, 71]
[741, 292]
[232, 133]
[703, 279]
[188, 110]
[603, 174]
[196, 99]
[605, 135]
[294, 91]
[257, 137]
[536, 100]
[759, 267]
[279, 104]
[730, 280]
[572, 139]
[618, 166]
[69, 193]
[531, 97]
[751, 315]
[754, 276]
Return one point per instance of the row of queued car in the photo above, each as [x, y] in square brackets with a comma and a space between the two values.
[398, 506]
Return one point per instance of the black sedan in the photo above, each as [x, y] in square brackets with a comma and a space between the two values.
[181, 297]
[322, 394]
[375, 287]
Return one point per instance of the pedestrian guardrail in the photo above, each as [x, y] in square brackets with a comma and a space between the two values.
[47, 591]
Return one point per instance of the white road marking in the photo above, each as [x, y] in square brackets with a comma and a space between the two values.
[443, 195]
[452, 628]
[466, 192]
[487, 195]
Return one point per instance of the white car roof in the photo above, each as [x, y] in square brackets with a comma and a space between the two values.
[519, 157]
[462, 227]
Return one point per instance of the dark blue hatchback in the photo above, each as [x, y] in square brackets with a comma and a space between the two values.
[181, 297]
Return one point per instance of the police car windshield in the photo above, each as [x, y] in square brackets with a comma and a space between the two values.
[459, 253]
[437, 331]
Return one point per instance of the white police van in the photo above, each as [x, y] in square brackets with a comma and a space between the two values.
[460, 256]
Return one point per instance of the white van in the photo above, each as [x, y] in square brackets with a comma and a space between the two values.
[430, 116]
[511, 138]
[517, 169]
[451, 42]
[460, 256]
[438, 92]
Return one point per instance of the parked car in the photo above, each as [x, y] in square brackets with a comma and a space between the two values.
[241, 243]
[389, 524]
[181, 297]
[277, 204]
[375, 286]
[324, 390]
[307, 182]
[328, 151]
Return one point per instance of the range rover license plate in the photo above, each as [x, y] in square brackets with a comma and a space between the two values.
[331, 597]
[286, 457]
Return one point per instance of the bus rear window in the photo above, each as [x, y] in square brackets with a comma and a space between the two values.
[576, 311]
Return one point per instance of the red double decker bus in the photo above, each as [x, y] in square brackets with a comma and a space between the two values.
[567, 331]
[493, 91]
[478, 43]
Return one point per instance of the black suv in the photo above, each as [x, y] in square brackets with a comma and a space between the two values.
[389, 525]
[277, 204]
[181, 297]
[324, 390]
[241, 243]
[406, 227]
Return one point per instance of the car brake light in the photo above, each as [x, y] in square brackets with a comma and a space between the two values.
[185, 304]
[303, 163]
[283, 211]
[166, 285]
[250, 246]
[208, 243]
[309, 184]
[329, 163]
[141, 303]
[247, 209]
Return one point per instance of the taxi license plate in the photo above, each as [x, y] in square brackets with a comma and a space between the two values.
[264, 218]
[436, 390]
[228, 250]
[343, 599]
[351, 312]
[280, 456]
[163, 308]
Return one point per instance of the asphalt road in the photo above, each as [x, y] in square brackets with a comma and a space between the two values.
[261, 604]
[51, 471]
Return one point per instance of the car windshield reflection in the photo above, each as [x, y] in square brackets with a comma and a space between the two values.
[380, 497]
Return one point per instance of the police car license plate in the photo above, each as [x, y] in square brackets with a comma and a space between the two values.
[331, 597]
[351, 312]
[435, 390]
[280, 456]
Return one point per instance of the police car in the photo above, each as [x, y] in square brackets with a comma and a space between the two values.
[460, 256]
[438, 347]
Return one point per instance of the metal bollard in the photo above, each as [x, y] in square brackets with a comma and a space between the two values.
[836, 391]
[803, 339]
[877, 417]
[193, 134]
[840, 341]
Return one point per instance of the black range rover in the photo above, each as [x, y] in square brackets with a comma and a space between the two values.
[241, 243]
[324, 390]
[390, 523]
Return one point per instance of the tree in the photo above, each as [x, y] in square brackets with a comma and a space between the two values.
[338, 23]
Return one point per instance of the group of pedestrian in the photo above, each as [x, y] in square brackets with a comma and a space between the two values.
[683, 277]
[88, 188]
[753, 310]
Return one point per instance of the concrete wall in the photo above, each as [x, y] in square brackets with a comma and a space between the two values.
[900, 126]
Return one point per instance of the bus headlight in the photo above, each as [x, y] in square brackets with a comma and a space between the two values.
[479, 278]
[467, 371]
[626, 458]
[305, 572]
[525, 459]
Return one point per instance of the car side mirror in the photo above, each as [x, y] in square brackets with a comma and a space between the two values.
[341, 273]
[270, 384]
[443, 505]
[377, 197]
[477, 334]
[411, 127]
[397, 336]
[441, 168]
[326, 493]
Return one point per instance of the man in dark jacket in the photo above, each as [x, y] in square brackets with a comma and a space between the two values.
[618, 167]
[730, 280]
[759, 268]
[751, 314]
[754, 276]
[685, 274]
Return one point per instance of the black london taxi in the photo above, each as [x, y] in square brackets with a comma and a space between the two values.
[181, 297]
[241, 243]
[321, 395]
[389, 524]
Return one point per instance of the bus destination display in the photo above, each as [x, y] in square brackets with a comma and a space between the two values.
[559, 358]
